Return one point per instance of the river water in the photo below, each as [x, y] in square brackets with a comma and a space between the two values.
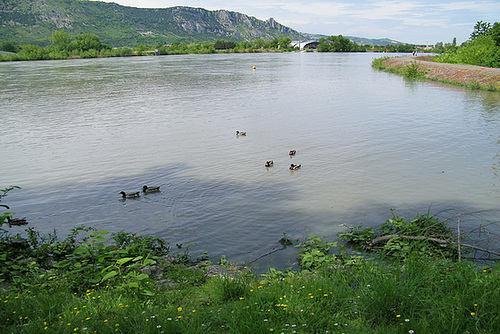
[76, 132]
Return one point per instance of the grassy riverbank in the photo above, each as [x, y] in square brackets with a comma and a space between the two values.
[469, 76]
[137, 284]
[421, 295]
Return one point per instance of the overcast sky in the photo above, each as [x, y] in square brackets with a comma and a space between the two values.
[414, 22]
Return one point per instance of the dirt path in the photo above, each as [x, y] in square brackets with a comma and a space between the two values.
[467, 74]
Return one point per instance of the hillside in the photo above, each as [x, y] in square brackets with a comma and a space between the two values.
[371, 41]
[33, 22]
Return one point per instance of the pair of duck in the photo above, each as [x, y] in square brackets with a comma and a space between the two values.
[145, 189]
[270, 163]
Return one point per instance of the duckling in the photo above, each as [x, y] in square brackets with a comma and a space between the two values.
[241, 133]
[292, 152]
[269, 163]
[129, 195]
[147, 189]
[294, 167]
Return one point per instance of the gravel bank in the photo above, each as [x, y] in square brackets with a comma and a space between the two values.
[464, 74]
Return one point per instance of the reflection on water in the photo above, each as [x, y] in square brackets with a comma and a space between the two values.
[75, 133]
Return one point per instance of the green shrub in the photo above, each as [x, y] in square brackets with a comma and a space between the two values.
[400, 237]
[414, 70]
[481, 51]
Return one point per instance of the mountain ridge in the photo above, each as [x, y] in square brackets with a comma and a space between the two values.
[34, 21]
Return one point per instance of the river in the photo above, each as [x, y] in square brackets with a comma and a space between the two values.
[77, 132]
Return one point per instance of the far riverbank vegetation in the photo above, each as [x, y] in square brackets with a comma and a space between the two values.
[483, 47]
[89, 46]
[418, 275]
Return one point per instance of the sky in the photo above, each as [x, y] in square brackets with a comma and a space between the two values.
[414, 22]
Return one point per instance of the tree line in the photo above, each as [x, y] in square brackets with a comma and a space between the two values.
[483, 47]
[88, 45]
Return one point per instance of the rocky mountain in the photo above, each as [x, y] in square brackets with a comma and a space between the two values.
[34, 21]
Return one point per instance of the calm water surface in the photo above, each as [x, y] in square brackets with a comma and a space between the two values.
[75, 133]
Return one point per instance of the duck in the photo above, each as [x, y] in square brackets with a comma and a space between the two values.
[294, 167]
[241, 133]
[269, 163]
[129, 195]
[147, 189]
[16, 221]
[292, 152]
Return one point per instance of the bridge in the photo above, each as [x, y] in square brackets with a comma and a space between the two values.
[310, 44]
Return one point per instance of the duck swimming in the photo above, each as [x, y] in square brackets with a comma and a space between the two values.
[269, 163]
[292, 152]
[241, 133]
[129, 195]
[147, 189]
[294, 167]
[16, 221]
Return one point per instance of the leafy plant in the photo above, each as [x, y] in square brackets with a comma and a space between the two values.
[414, 70]
[127, 271]
[6, 215]
[315, 253]
[399, 236]
[358, 236]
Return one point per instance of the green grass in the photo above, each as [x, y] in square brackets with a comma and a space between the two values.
[111, 284]
[422, 295]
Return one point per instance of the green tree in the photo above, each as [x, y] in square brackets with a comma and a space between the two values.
[60, 39]
[480, 29]
[342, 44]
[439, 47]
[245, 45]
[324, 45]
[8, 46]
[481, 51]
[258, 43]
[483, 48]
[32, 52]
[141, 49]
[337, 44]
[224, 45]
[494, 33]
[86, 42]
[284, 43]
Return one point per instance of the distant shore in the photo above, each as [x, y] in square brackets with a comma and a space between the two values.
[467, 75]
